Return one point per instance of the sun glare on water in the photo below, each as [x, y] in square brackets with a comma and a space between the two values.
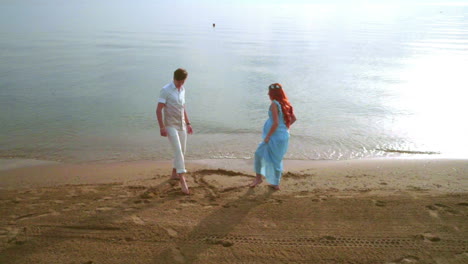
[433, 102]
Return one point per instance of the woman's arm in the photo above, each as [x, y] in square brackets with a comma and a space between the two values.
[293, 118]
[274, 111]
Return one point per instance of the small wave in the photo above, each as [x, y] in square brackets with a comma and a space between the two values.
[114, 46]
[438, 45]
[409, 151]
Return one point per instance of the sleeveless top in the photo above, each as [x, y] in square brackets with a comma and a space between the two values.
[282, 129]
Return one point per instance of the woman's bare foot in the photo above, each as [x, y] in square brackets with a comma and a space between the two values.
[256, 182]
[274, 187]
[183, 184]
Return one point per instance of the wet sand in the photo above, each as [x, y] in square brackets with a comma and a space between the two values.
[360, 211]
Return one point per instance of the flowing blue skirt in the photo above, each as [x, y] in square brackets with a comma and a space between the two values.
[269, 157]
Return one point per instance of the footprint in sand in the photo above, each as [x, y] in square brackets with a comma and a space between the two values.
[107, 198]
[71, 193]
[137, 220]
[88, 189]
[141, 201]
[9, 235]
[177, 255]
[104, 209]
[136, 187]
[147, 195]
[379, 203]
[433, 211]
[274, 201]
[124, 196]
[189, 202]
[17, 200]
[304, 194]
[428, 237]
[171, 232]
[437, 208]
[407, 259]
[66, 209]
[327, 238]
[462, 256]
[229, 205]
[313, 197]
[214, 241]
[9, 232]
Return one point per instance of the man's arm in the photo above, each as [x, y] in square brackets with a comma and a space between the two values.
[187, 121]
[159, 115]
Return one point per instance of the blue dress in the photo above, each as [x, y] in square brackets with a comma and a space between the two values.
[269, 156]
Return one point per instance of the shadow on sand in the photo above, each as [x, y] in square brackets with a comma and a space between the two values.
[213, 229]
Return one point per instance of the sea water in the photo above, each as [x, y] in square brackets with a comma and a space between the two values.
[80, 81]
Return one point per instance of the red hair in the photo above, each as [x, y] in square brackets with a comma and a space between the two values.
[279, 95]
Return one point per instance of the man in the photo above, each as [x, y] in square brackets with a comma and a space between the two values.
[175, 124]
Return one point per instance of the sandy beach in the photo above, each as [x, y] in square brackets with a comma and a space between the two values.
[358, 211]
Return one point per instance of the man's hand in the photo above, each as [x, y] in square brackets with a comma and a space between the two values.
[189, 129]
[163, 131]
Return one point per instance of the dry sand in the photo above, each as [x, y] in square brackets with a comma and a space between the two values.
[361, 211]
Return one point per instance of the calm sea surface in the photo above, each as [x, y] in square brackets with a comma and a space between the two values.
[80, 82]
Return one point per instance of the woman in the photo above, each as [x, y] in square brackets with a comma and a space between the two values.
[270, 153]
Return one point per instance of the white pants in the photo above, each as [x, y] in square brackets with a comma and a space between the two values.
[178, 140]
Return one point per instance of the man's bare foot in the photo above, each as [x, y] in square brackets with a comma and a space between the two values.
[183, 184]
[174, 176]
[256, 182]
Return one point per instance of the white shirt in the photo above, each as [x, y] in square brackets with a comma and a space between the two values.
[174, 99]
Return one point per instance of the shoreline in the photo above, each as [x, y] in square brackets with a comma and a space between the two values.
[384, 174]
